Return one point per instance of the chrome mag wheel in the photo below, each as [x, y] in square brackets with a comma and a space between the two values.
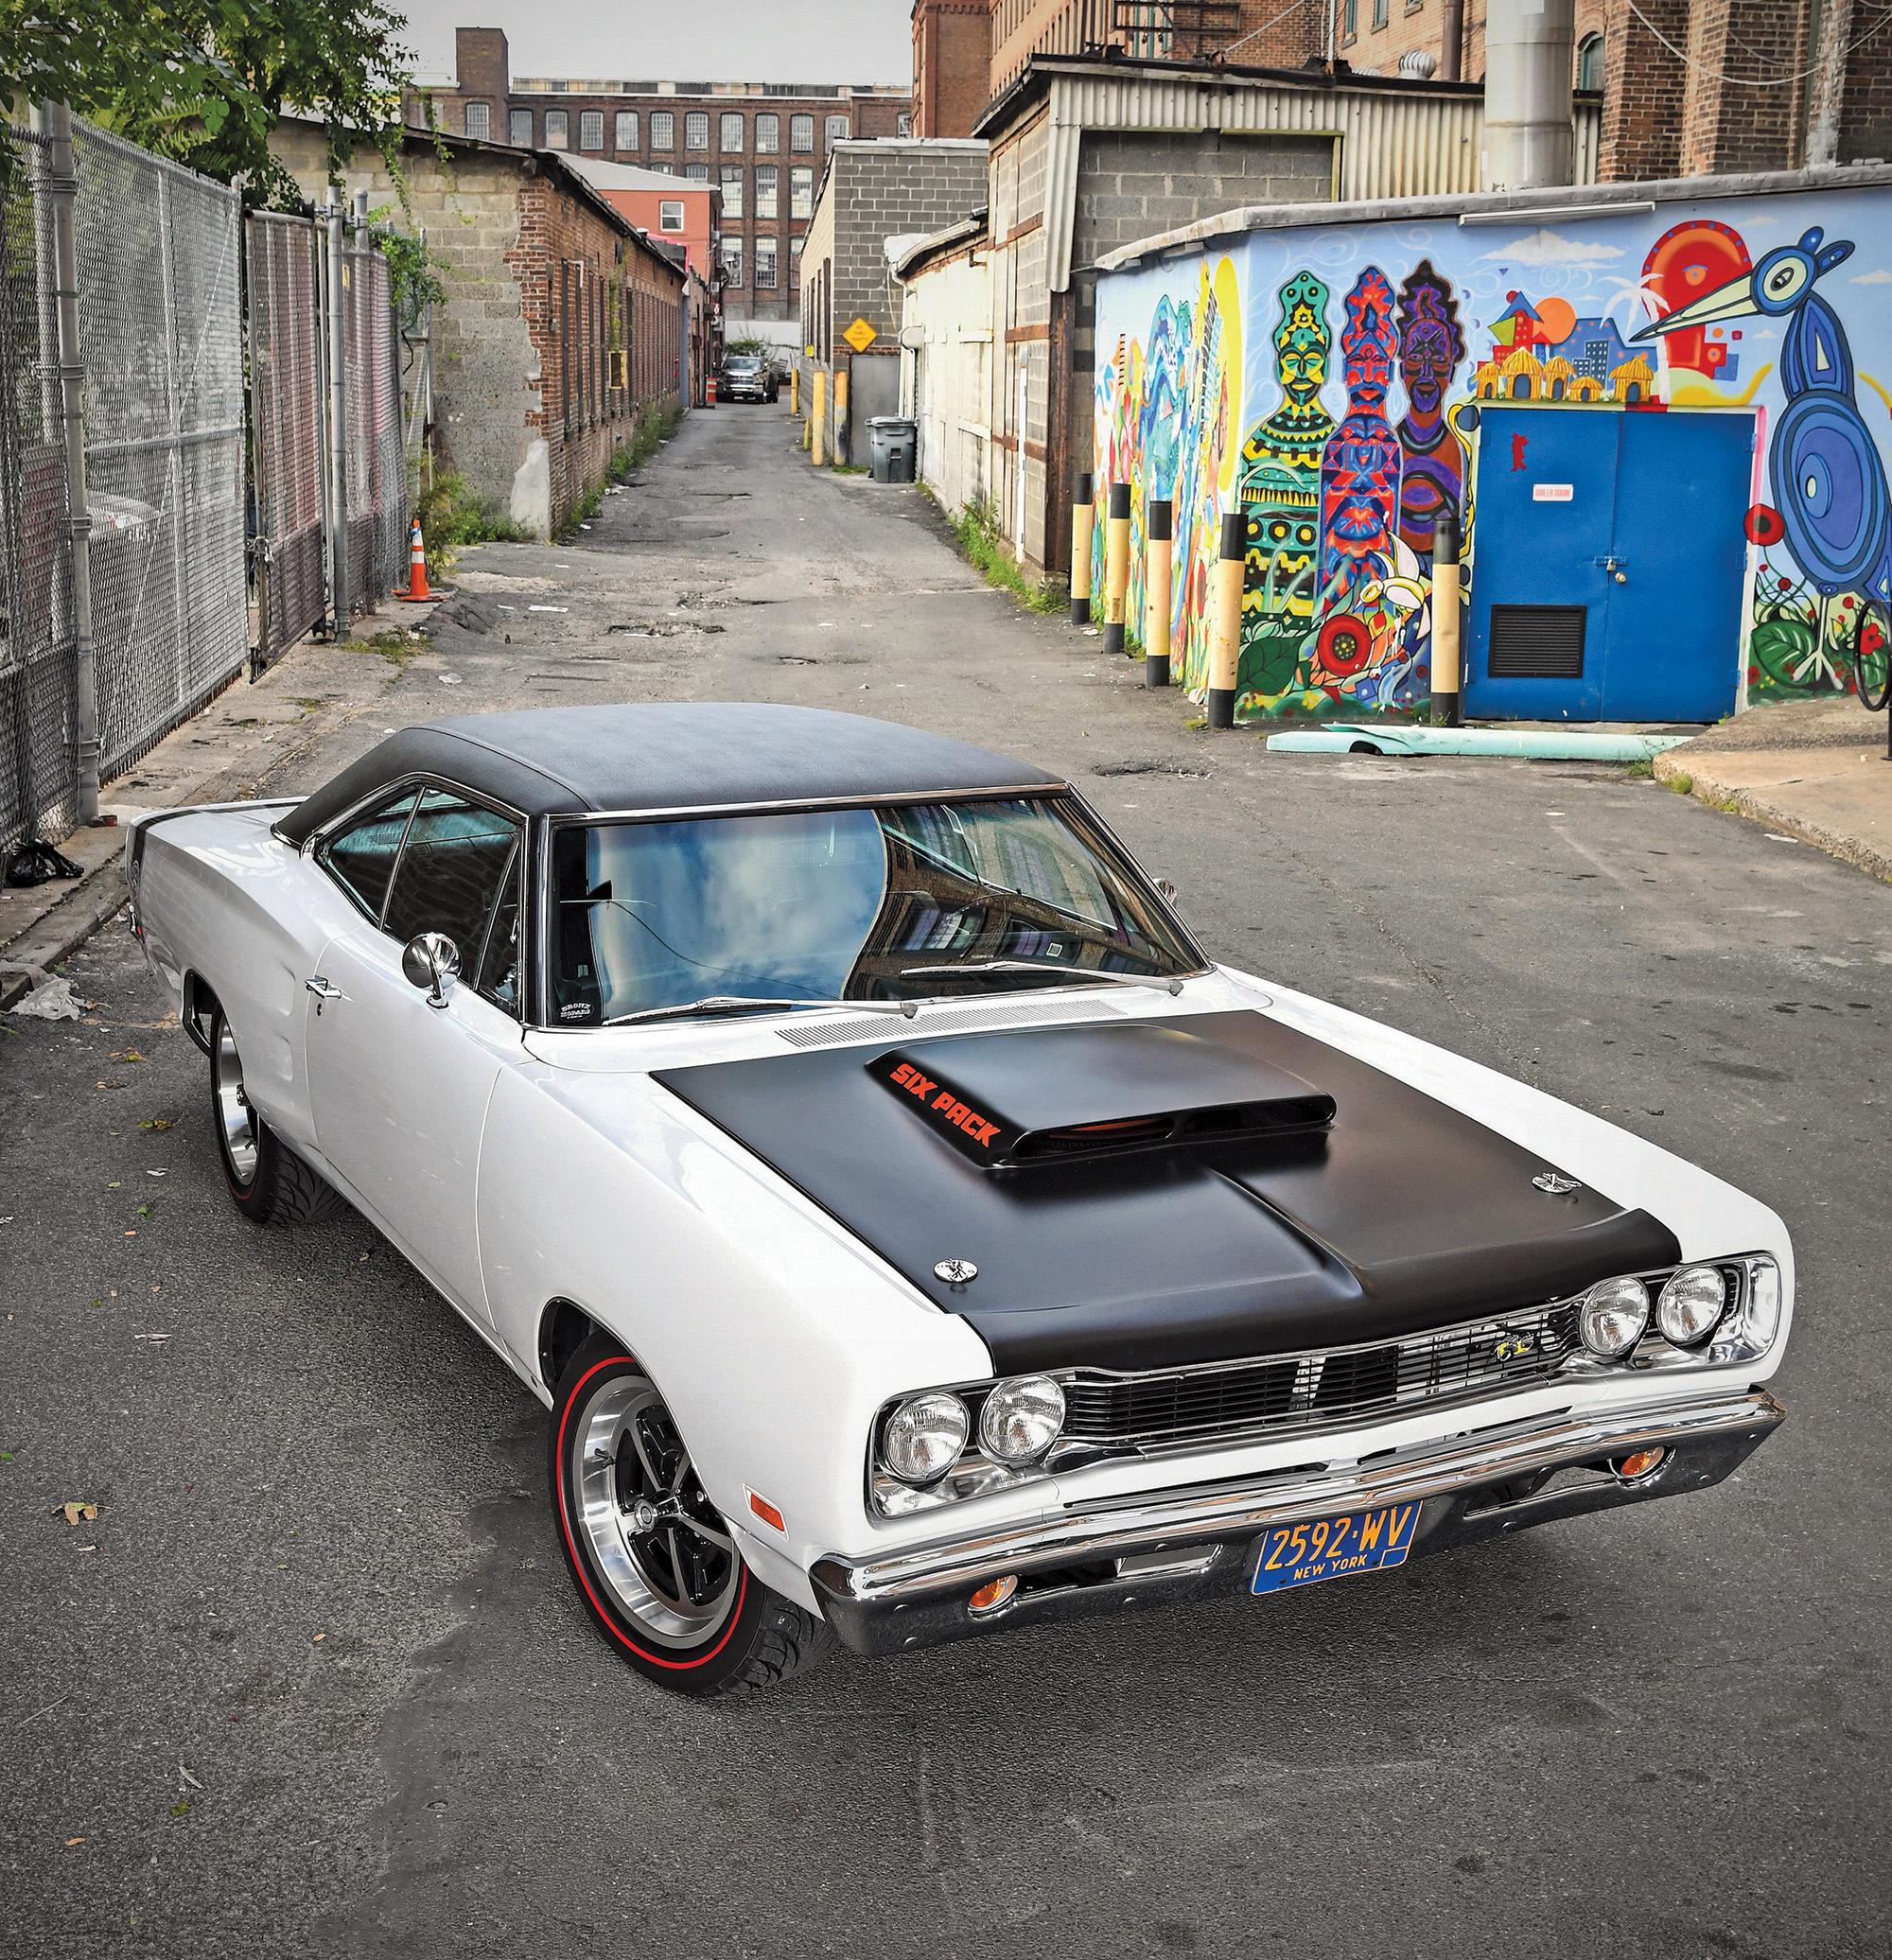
[654, 1539]
[233, 1114]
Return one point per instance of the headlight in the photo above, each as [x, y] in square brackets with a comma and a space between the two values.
[923, 1436]
[1691, 1305]
[1614, 1314]
[1022, 1418]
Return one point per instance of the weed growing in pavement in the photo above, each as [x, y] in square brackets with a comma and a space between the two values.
[396, 645]
[979, 540]
[1642, 768]
[849, 469]
[452, 517]
[1682, 785]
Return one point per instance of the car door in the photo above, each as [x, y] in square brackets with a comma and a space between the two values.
[399, 1086]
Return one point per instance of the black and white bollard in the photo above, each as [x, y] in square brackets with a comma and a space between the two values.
[1156, 595]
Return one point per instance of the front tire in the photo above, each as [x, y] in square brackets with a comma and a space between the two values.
[265, 1179]
[657, 1569]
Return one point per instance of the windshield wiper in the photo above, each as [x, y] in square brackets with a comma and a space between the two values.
[1168, 985]
[728, 1003]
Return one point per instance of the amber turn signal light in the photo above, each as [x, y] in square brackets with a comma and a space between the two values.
[767, 1511]
[1638, 1463]
[993, 1594]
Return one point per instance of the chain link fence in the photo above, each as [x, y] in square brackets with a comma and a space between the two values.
[37, 707]
[161, 335]
[286, 429]
[170, 424]
[377, 475]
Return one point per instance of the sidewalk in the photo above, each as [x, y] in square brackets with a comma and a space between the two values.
[1815, 770]
[218, 756]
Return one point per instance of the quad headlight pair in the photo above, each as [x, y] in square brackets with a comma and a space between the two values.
[1686, 1307]
[1020, 1418]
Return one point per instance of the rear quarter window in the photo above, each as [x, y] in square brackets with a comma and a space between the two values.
[360, 856]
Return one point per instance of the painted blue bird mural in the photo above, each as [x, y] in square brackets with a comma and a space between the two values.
[1829, 479]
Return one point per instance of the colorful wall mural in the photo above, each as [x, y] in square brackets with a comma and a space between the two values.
[1330, 382]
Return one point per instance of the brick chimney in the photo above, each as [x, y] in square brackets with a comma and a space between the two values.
[951, 64]
[483, 64]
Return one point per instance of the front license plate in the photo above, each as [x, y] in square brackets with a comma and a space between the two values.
[1335, 1547]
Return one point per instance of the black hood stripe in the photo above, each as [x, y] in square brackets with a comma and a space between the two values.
[1402, 1214]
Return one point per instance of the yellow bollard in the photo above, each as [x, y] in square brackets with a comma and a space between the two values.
[817, 420]
[1080, 552]
[1226, 622]
[794, 389]
[1447, 675]
[1157, 591]
[838, 439]
[1116, 567]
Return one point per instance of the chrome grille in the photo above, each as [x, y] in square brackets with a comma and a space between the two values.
[1181, 1407]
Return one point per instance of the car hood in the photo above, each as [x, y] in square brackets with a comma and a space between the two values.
[1170, 1189]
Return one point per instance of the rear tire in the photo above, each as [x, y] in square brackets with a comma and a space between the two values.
[268, 1183]
[656, 1567]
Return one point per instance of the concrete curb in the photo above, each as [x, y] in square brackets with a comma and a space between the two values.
[1762, 807]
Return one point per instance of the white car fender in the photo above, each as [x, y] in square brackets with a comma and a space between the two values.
[1710, 1217]
[773, 1336]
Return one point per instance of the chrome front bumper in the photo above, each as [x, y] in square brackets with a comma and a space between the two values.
[1197, 1541]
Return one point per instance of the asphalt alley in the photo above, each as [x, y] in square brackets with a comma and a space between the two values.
[313, 1680]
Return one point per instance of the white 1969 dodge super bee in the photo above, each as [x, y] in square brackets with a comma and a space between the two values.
[912, 1234]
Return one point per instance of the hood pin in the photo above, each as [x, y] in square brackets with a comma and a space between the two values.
[1556, 1183]
[955, 1272]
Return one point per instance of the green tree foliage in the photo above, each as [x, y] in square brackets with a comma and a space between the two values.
[202, 80]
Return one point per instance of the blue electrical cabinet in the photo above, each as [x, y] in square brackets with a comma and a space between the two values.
[1608, 564]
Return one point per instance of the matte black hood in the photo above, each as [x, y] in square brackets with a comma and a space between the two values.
[1265, 1192]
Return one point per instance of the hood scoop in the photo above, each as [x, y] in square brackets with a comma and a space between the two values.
[1070, 1094]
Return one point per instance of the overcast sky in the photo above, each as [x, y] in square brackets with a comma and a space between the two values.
[824, 41]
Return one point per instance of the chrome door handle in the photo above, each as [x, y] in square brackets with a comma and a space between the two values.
[322, 988]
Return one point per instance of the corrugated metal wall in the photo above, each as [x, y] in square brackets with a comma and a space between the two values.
[1388, 143]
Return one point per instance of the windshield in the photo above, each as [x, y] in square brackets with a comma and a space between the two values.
[837, 904]
[741, 364]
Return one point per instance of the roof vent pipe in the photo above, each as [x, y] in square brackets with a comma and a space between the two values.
[1529, 141]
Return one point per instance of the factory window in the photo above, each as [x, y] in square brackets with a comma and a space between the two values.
[802, 192]
[1589, 61]
[592, 130]
[732, 261]
[765, 256]
[837, 128]
[765, 190]
[518, 129]
[696, 130]
[768, 134]
[732, 190]
[624, 133]
[480, 121]
[555, 130]
[663, 130]
[801, 133]
[731, 133]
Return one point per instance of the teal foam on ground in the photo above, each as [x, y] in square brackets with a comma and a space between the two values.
[1536, 744]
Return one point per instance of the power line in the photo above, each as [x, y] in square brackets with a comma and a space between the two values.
[1743, 82]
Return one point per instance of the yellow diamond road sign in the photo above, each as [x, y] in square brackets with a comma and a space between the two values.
[860, 337]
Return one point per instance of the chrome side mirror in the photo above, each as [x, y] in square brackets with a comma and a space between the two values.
[430, 960]
[1168, 888]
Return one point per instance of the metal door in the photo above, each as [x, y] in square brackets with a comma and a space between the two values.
[1609, 565]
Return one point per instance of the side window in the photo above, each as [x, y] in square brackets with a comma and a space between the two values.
[361, 858]
[451, 874]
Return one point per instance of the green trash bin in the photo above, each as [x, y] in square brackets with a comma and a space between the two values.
[892, 444]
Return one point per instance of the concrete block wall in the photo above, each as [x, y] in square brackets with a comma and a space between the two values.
[1132, 185]
[882, 190]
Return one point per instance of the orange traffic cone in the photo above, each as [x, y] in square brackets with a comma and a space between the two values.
[417, 592]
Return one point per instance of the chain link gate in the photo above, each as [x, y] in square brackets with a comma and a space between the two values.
[377, 477]
[37, 707]
[286, 429]
[161, 336]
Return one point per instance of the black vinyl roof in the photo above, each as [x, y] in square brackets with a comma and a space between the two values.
[665, 755]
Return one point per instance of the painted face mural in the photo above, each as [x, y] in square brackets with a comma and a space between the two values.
[1433, 459]
[1439, 335]
[1360, 463]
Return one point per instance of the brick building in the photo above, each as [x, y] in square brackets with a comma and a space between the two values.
[1689, 86]
[762, 145]
[562, 324]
